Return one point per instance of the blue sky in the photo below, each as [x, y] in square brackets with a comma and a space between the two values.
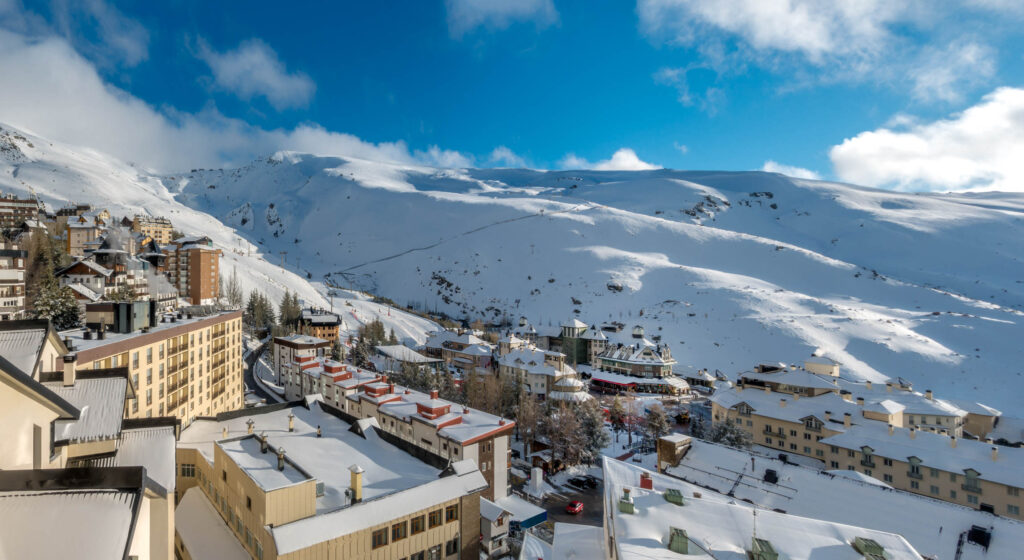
[905, 95]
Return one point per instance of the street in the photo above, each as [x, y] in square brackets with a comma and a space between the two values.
[250, 383]
[593, 508]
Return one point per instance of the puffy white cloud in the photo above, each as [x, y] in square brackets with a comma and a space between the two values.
[790, 170]
[253, 69]
[624, 159]
[683, 148]
[466, 15]
[51, 90]
[444, 158]
[505, 157]
[95, 28]
[978, 149]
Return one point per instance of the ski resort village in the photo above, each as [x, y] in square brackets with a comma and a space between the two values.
[512, 280]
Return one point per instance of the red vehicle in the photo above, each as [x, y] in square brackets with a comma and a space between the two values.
[574, 506]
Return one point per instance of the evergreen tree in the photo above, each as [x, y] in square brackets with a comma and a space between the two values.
[729, 434]
[617, 416]
[657, 422]
[123, 292]
[697, 428]
[337, 351]
[392, 339]
[595, 437]
[57, 304]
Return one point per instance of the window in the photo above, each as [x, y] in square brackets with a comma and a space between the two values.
[834, 464]
[1013, 510]
[887, 477]
[399, 531]
[1013, 491]
[952, 477]
[792, 446]
[188, 470]
[451, 513]
[149, 355]
[421, 555]
[914, 485]
[768, 440]
[248, 503]
[418, 525]
[135, 360]
[451, 547]
[834, 449]
[380, 538]
[135, 381]
[851, 453]
[161, 371]
[952, 494]
[807, 436]
[224, 475]
[248, 537]
[435, 518]
[819, 452]
[149, 397]
[887, 462]
[792, 433]
[934, 473]
[807, 450]
[972, 499]
[259, 551]
[934, 490]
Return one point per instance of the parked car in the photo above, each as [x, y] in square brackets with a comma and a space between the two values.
[574, 506]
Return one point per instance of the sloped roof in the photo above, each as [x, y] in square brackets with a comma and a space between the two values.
[203, 530]
[101, 402]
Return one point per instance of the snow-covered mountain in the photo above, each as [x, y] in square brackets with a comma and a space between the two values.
[731, 269]
[61, 174]
[728, 268]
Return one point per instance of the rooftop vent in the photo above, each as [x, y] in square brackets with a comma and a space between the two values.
[761, 549]
[869, 548]
[771, 476]
[677, 541]
[626, 502]
[674, 496]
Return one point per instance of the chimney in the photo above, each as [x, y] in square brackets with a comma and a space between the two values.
[867, 385]
[465, 410]
[263, 442]
[828, 415]
[391, 388]
[913, 433]
[796, 396]
[928, 394]
[739, 387]
[501, 421]
[224, 432]
[291, 422]
[846, 419]
[846, 395]
[890, 429]
[69, 369]
[280, 458]
[952, 441]
[995, 453]
[767, 389]
[782, 403]
[888, 387]
[646, 482]
[433, 393]
[356, 483]
[250, 423]
[101, 332]
[860, 401]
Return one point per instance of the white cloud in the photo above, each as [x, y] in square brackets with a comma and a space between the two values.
[942, 73]
[979, 149]
[253, 69]
[708, 101]
[790, 170]
[506, 157]
[683, 148]
[99, 31]
[466, 15]
[624, 159]
[444, 158]
[51, 90]
[925, 48]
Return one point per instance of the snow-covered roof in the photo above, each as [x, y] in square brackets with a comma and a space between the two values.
[520, 509]
[912, 401]
[573, 541]
[388, 469]
[66, 524]
[461, 424]
[319, 317]
[491, 511]
[437, 339]
[769, 404]
[534, 548]
[574, 323]
[152, 448]
[933, 529]
[570, 396]
[593, 333]
[1008, 428]
[793, 378]
[81, 344]
[85, 292]
[858, 476]
[100, 401]
[723, 526]
[640, 351]
[301, 339]
[203, 531]
[21, 345]
[936, 451]
[532, 361]
[622, 379]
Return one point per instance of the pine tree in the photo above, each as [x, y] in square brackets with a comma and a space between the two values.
[617, 416]
[595, 437]
[729, 434]
[657, 422]
[392, 339]
[57, 304]
[123, 292]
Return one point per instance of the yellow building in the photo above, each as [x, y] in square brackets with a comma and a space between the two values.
[158, 228]
[297, 482]
[181, 365]
[54, 419]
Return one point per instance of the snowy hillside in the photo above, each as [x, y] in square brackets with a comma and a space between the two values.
[728, 268]
[61, 174]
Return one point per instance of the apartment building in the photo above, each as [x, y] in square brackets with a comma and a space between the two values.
[320, 323]
[973, 473]
[183, 365]
[158, 228]
[539, 371]
[193, 266]
[81, 233]
[69, 460]
[15, 211]
[287, 350]
[309, 375]
[12, 281]
[299, 482]
[461, 350]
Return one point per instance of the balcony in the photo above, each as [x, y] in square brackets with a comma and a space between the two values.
[972, 488]
[914, 475]
[780, 435]
[868, 463]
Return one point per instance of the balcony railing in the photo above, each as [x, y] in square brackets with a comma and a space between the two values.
[780, 435]
[913, 474]
[973, 488]
[868, 463]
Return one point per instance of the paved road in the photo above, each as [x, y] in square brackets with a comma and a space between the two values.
[250, 383]
[593, 506]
